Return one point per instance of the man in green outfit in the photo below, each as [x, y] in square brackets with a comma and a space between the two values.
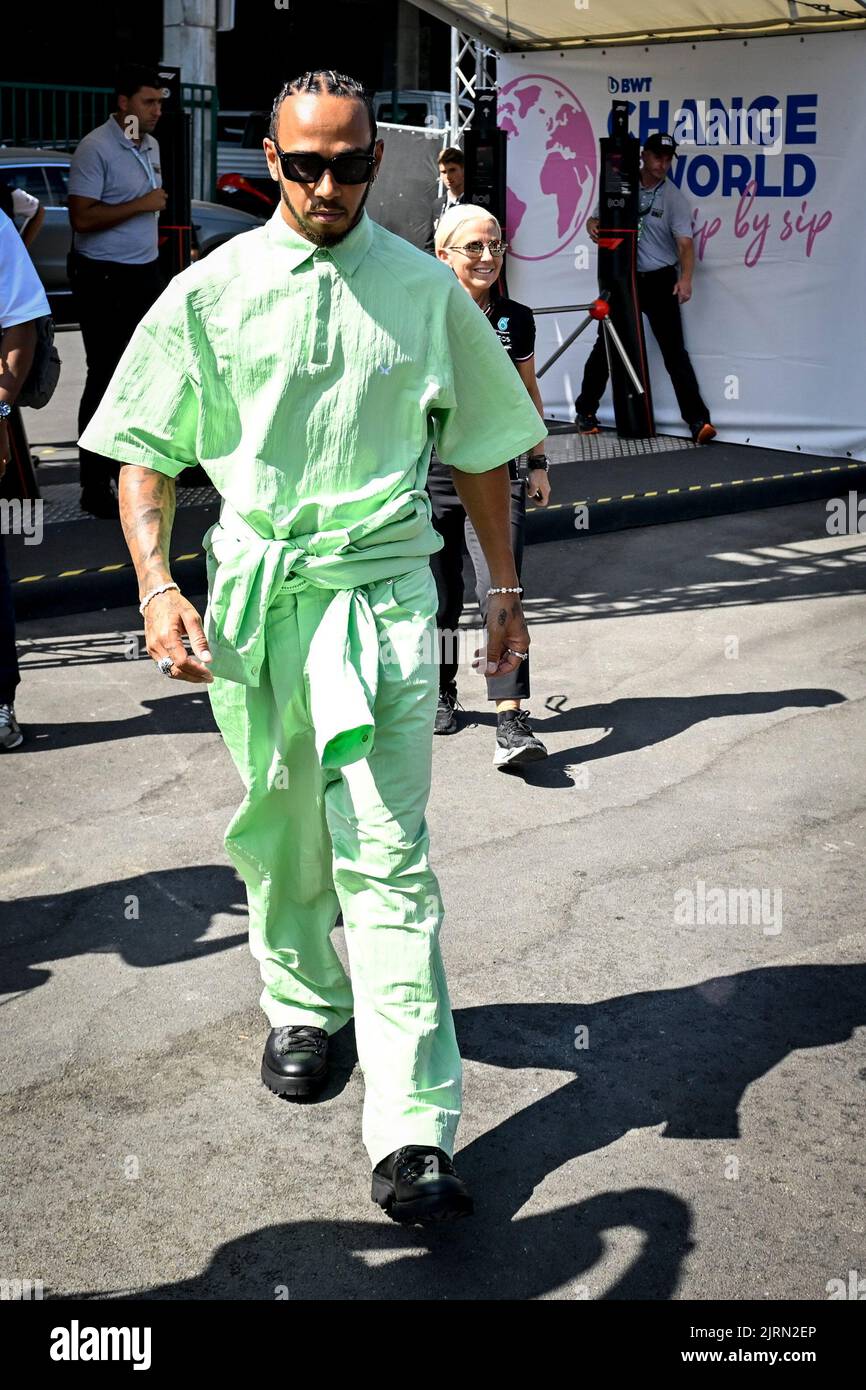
[309, 366]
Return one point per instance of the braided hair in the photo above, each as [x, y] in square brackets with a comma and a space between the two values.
[324, 82]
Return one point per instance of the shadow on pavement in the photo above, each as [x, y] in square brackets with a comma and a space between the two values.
[679, 580]
[678, 1058]
[631, 724]
[526, 1259]
[83, 649]
[147, 920]
[173, 714]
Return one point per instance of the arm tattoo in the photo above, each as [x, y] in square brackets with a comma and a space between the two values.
[147, 506]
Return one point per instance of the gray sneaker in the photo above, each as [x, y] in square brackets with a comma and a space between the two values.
[10, 733]
[516, 744]
[446, 716]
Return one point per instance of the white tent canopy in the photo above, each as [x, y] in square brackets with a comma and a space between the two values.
[532, 25]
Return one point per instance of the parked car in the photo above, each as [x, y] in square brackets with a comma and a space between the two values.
[243, 180]
[418, 108]
[45, 173]
[231, 126]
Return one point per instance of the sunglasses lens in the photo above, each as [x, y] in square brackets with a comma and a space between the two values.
[303, 168]
[351, 168]
[309, 168]
[475, 248]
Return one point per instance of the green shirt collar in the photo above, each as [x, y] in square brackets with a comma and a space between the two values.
[347, 254]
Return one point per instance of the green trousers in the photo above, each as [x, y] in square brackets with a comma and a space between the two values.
[334, 747]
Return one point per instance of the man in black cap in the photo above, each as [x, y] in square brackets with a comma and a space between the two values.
[665, 263]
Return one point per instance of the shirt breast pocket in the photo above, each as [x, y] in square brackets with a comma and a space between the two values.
[393, 390]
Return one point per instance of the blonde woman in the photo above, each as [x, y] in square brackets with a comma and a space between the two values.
[470, 241]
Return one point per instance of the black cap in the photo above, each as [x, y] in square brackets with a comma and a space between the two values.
[661, 144]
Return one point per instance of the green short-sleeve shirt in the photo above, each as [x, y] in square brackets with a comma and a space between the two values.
[310, 383]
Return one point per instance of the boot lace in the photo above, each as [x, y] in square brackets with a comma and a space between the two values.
[300, 1038]
[447, 697]
[411, 1165]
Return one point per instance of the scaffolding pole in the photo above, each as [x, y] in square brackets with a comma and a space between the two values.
[473, 68]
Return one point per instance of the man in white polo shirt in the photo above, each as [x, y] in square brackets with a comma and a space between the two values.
[115, 198]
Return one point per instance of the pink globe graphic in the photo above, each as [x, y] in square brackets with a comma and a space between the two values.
[551, 165]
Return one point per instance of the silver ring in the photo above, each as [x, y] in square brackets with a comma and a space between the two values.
[524, 656]
[165, 664]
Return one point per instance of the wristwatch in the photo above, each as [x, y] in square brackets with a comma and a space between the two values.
[5, 410]
[537, 461]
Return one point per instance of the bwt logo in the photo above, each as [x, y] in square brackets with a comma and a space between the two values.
[629, 84]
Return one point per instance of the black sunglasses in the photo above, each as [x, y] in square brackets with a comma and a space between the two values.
[303, 167]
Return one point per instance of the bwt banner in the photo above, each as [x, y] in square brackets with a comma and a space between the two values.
[773, 164]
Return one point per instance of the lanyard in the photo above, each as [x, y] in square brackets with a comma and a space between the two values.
[648, 208]
[145, 163]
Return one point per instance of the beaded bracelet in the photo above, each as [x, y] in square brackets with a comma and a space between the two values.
[163, 589]
[518, 590]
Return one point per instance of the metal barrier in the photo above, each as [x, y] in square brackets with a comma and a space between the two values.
[203, 105]
[49, 117]
[557, 309]
[40, 116]
[607, 329]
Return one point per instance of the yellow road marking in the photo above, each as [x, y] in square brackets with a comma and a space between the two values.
[552, 507]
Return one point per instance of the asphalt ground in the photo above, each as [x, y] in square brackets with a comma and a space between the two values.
[657, 1105]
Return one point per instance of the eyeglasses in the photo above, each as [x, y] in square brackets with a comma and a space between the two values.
[302, 166]
[475, 248]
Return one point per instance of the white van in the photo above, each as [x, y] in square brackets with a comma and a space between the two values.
[418, 109]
